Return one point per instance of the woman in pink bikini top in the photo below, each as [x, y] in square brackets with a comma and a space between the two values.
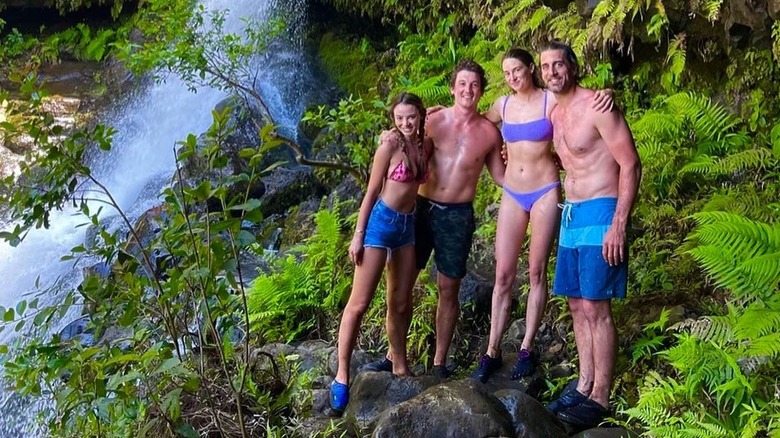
[384, 235]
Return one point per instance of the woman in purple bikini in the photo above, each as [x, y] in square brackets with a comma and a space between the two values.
[531, 196]
[384, 236]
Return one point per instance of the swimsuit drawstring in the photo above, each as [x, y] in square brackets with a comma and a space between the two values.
[434, 204]
[566, 214]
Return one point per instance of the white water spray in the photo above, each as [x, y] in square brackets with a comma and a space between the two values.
[140, 164]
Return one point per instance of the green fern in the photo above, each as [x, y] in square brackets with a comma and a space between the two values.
[306, 285]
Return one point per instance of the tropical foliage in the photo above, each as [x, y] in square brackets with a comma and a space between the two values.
[705, 230]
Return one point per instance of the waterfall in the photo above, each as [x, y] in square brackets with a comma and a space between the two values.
[141, 162]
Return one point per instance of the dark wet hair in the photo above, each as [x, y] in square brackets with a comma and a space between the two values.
[415, 101]
[568, 55]
[472, 66]
[527, 59]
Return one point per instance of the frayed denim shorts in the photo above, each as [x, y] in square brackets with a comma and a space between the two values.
[388, 228]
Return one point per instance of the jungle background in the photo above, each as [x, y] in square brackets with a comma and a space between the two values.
[696, 80]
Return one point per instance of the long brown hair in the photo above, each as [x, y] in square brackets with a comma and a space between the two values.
[415, 101]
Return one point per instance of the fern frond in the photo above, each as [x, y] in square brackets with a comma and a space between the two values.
[755, 323]
[740, 161]
[655, 124]
[701, 164]
[433, 89]
[708, 329]
[710, 120]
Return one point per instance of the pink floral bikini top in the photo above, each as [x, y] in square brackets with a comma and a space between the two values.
[402, 174]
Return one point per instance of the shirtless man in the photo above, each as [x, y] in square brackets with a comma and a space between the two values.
[464, 141]
[602, 178]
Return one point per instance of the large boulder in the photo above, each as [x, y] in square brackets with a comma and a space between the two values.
[285, 188]
[454, 409]
[529, 418]
[475, 295]
[606, 432]
[373, 393]
[747, 23]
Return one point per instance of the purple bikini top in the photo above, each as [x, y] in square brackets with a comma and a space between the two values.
[535, 130]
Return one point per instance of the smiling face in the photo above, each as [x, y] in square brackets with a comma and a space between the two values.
[407, 118]
[517, 75]
[558, 74]
[467, 89]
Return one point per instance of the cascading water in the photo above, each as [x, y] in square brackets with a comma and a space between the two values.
[142, 162]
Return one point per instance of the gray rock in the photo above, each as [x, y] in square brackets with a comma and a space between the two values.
[606, 432]
[561, 370]
[454, 409]
[533, 384]
[475, 296]
[529, 418]
[285, 188]
[372, 393]
[320, 403]
[359, 358]
[516, 330]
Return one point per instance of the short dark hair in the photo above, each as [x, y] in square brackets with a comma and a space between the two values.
[568, 55]
[472, 66]
[527, 59]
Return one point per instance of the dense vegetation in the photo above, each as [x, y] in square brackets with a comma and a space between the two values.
[701, 106]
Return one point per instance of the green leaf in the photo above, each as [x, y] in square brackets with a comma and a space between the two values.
[21, 306]
[187, 431]
[148, 426]
[248, 205]
[776, 140]
[8, 316]
[129, 357]
[167, 365]
[171, 404]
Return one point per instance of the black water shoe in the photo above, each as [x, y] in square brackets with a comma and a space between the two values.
[441, 371]
[525, 365]
[487, 366]
[567, 400]
[383, 364]
[586, 414]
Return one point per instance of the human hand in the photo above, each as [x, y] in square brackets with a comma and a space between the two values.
[614, 248]
[603, 100]
[504, 153]
[388, 136]
[356, 249]
[433, 109]
[557, 160]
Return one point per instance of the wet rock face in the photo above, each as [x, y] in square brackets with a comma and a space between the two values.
[372, 393]
[453, 409]
[530, 419]
[64, 111]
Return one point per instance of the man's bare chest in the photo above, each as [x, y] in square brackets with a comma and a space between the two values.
[573, 135]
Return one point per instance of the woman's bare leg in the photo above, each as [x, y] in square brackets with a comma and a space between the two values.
[367, 276]
[545, 223]
[510, 235]
[400, 280]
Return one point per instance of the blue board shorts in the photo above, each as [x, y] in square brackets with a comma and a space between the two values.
[581, 271]
[388, 228]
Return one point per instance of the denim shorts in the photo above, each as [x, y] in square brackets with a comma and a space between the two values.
[388, 228]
